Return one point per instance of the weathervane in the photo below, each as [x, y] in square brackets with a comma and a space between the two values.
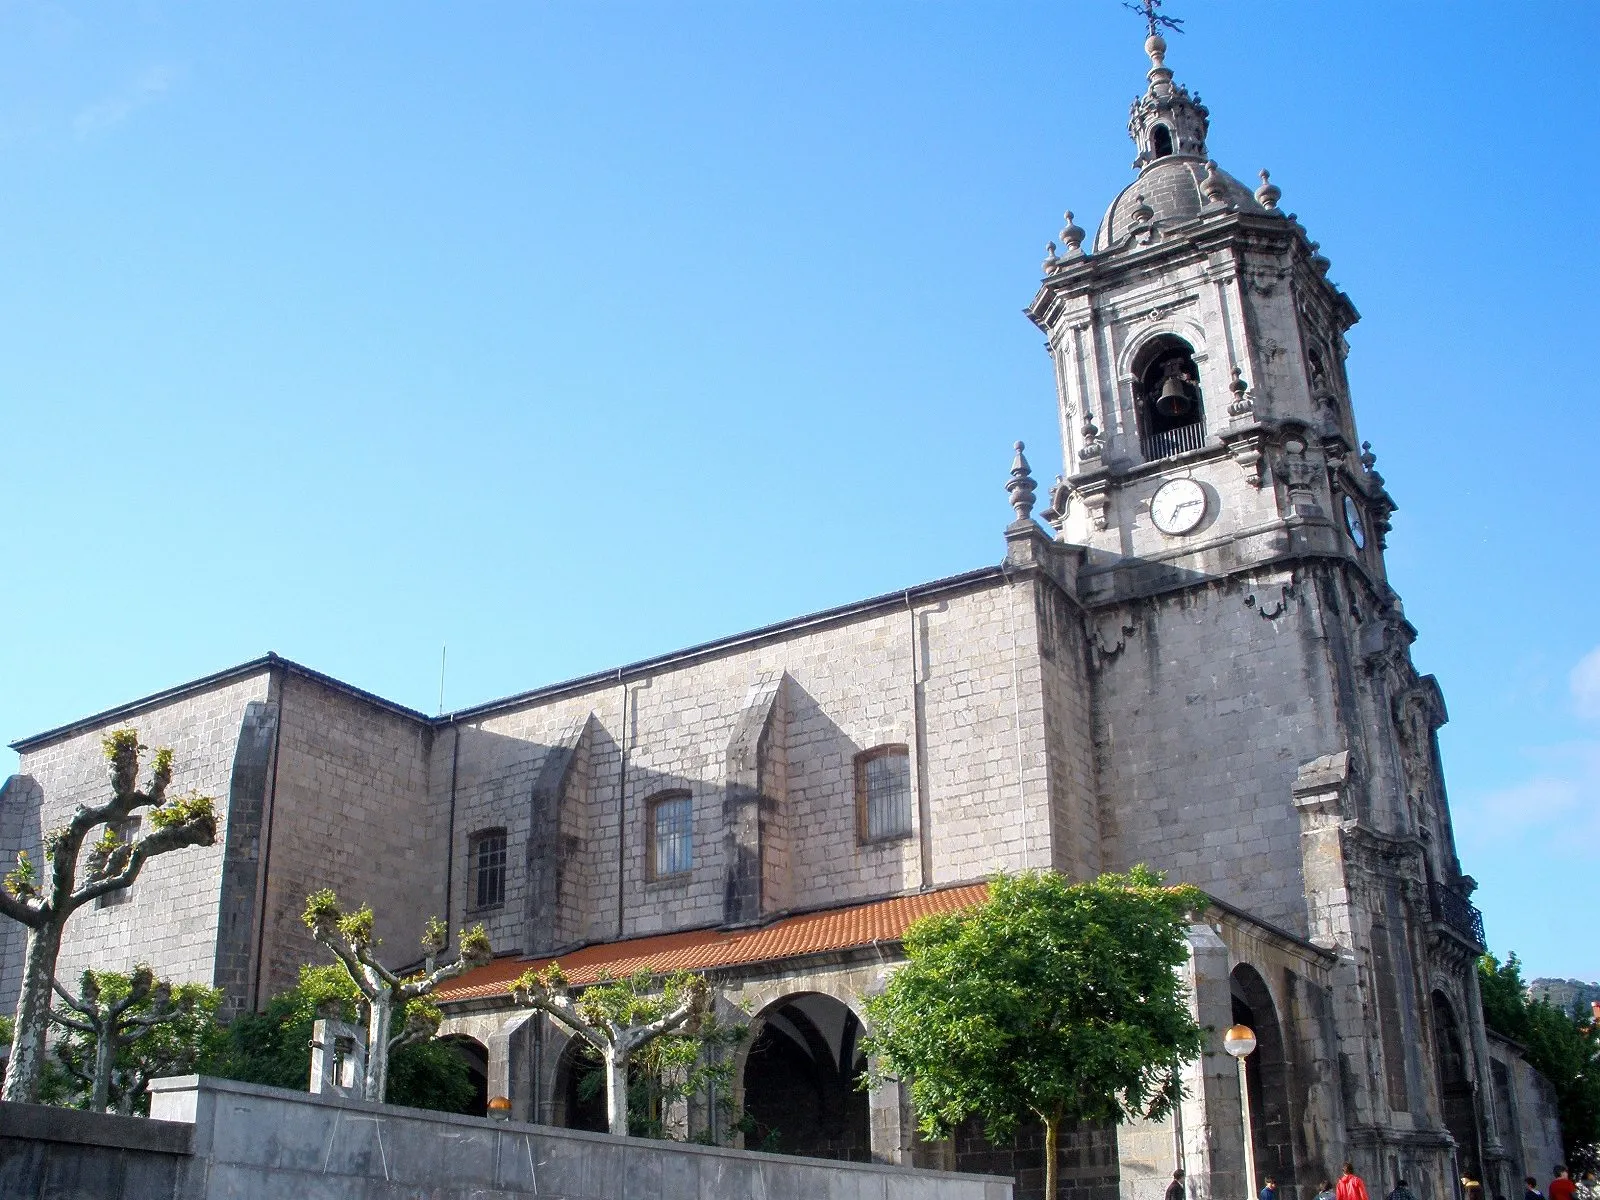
[1150, 10]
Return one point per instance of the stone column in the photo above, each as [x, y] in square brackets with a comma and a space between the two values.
[1210, 1119]
[511, 1064]
[892, 1122]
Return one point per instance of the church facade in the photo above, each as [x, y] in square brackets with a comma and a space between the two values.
[1195, 662]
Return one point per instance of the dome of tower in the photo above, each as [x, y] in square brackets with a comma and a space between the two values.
[1171, 188]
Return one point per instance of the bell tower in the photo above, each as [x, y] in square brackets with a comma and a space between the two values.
[1199, 359]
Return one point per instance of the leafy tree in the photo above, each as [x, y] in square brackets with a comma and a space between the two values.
[273, 1047]
[1051, 1001]
[349, 936]
[672, 1069]
[619, 1019]
[1563, 1047]
[44, 904]
[123, 1030]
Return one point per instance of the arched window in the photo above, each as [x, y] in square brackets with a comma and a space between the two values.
[1160, 141]
[1171, 413]
[883, 793]
[669, 836]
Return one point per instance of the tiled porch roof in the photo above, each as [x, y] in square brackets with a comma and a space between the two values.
[706, 949]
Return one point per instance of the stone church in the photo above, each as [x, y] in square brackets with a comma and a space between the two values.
[1195, 661]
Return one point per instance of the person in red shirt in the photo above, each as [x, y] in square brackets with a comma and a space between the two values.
[1562, 1187]
[1350, 1185]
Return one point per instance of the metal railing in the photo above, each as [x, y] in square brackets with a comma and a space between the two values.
[1461, 915]
[1173, 441]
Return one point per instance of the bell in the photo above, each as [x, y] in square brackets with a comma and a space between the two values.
[1174, 400]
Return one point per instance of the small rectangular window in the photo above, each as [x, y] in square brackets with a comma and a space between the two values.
[670, 851]
[883, 793]
[126, 831]
[487, 857]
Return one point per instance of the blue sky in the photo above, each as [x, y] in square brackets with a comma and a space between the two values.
[569, 334]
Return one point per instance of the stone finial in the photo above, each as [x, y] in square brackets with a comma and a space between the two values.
[1211, 185]
[1368, 458]
[1050, 259]
[1092, 447]
[1269, 193]
[1072, 236]
[1156, 47]
[1021, 486]
[1240, 404]
[1143, 214]
[1319, 260]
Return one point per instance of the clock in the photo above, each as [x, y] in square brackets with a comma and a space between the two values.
[1178, 506]
[1353, 522]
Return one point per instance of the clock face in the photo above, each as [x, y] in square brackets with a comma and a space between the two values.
[1352, 522]
[1178, 506]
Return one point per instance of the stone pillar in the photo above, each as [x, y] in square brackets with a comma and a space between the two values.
[1325, 810]
[749, 810]
[1210, 1120]
[338, 1058]
[892, 1122]
[546, 929]
[511, 1064]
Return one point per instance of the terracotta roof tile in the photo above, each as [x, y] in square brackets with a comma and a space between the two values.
[704, 949]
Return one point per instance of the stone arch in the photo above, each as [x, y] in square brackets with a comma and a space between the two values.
[797, 1078]
[1272, 1119]
[1169, 325]
[1457, 1096]
[476, 1055]
[576, 1104]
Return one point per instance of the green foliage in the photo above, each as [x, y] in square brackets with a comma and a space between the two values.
[121, 742]
[475, 945]
[694, 1060]
[177, 1046]
[637, 1000]
[181, 811]
[273, 1046]
[431, 1075]
[7, 1027]
[1051, 1000]
[435, 936]
[1563, 1047]
[22, 881]
[357, 926]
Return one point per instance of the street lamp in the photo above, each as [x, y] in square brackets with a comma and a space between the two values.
[1240, 1041]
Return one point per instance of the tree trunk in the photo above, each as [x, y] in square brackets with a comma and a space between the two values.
[1052, 1127]
[616, 1092]
[380, 1016]
[33, 1014]
[105, 1061]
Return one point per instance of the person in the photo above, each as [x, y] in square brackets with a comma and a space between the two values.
[1175, 1188]
[1325, 1190]
[1530, 1189]
[1351, 1186]
[1270, 1192]
[1589, 1187]
[1401, 1191]
[1562, 1187]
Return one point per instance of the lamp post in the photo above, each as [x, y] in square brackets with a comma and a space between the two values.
[1240, 1041]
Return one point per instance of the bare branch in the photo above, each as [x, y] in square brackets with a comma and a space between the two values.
[61, 1018]
[199, 831]
[32, 913]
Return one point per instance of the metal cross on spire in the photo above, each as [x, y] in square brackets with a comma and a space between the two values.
[1150, 10]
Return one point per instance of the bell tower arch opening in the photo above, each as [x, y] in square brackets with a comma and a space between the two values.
[1170, 407]
[1160, 142]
